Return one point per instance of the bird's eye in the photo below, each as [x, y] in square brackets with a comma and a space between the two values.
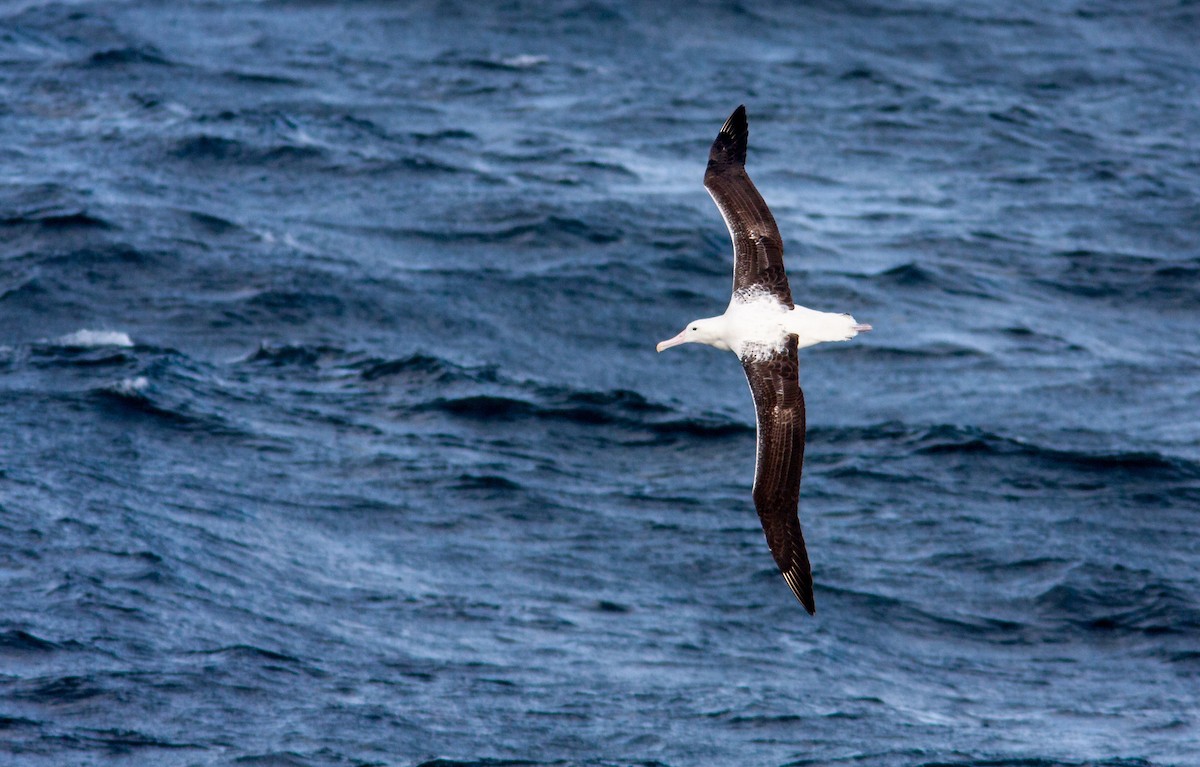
[694, 328]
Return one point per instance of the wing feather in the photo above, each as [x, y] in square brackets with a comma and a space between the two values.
[779, 408]
[757, 246]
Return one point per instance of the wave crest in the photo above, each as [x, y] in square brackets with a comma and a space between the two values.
[87, 339]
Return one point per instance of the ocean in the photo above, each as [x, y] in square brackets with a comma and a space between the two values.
[332, 430]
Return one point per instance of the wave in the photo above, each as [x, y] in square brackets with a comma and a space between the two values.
[64, 689]
[170, 393]
[482, 392]
[924, 620]
[486, 482]
[515, 63]
[1088, 602]
[1134, 280]
[486, 762]
[622, 408]
[82, 349]
[551, 231]
[129, 396]
[957, 282]
[66, 354]
[618, 407]
[294, 305]
[942, 439]
[133, 54]
[429, 368]
[211, 224]
[292, 354]
[86, 339]
[262, 78]
[1118, 600]
[118, 741]
[440, 136]
[1038, 761]
[70, 263]
[959, 439]
[251, 652]
[61, 220]
[211, 148]
[415, 164]
[16, 640]
[279, 759]
[930, 350]
[415, 368]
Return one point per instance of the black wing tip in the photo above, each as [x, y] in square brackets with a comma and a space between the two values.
[810, 605]
[736, 122]
[730, 145]
[803, 589]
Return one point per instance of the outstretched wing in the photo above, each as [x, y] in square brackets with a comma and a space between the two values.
[779, 409]
[757, 246]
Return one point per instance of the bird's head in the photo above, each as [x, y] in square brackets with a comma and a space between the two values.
[708, 331]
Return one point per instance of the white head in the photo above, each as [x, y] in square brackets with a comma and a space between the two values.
[709, 331]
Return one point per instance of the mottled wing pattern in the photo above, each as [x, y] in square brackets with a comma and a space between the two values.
[779, 407]
[757, 246]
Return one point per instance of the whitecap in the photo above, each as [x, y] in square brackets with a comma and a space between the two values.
[89, 338]
[524, 61]
[130, 387]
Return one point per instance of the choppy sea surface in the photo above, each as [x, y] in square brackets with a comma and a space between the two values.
[332, 430]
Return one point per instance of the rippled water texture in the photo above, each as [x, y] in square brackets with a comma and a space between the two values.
[333, 431]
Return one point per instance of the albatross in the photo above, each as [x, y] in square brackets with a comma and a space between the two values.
[764, 328]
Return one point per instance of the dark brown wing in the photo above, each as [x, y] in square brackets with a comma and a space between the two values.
[757, 246]
[779, 407]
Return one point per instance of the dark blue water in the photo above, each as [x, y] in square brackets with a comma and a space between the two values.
[332, 430]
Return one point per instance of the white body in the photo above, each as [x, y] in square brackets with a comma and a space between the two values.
[757, 325]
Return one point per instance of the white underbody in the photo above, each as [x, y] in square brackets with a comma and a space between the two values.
[758, 325]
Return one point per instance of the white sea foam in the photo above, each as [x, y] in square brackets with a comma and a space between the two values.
[130, 386]
[90, 338]
[524, 61]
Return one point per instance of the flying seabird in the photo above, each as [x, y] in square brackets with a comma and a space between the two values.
[764, 329]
